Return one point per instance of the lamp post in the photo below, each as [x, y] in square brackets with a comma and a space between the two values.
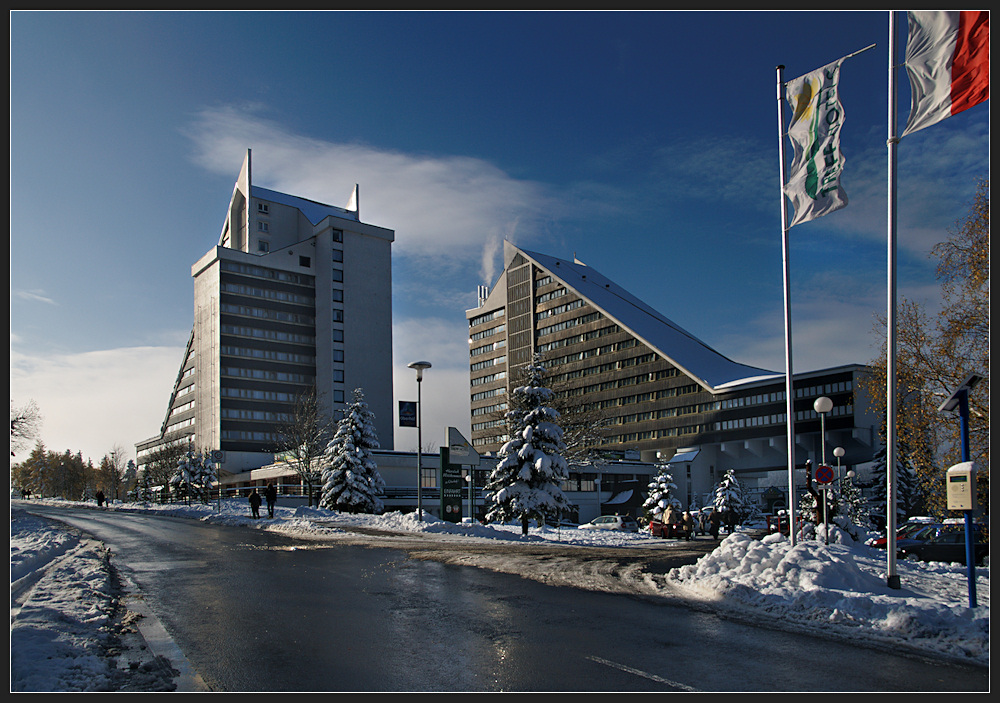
[823, 405]
[419, 366]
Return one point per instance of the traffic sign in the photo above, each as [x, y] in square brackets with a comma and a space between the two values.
[824, 473]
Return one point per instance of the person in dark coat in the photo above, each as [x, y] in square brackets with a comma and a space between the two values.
[255, 504]
[730, 521]
[270, 495]
[100, 498]
[714, 520]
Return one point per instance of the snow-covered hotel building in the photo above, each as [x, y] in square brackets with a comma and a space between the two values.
[663, 394]
[295, 294]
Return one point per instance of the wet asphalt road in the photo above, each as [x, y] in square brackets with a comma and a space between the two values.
[257, 611]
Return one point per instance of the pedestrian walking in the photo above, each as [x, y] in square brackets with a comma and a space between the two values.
[100, 498]
[714, 520]
[730, 521]
[270, 495]
[255, 504]
[688, 524]
[673, 518]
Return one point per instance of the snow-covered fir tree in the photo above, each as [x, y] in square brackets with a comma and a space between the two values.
[527, 481]
[351, 481]
[853, 511]
[194, 477]
[661, 492]
[908, 501]
[729, 495]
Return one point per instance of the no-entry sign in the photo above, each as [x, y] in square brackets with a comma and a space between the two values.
[824, 473]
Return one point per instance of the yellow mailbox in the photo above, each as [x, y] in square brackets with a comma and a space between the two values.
[962, 486]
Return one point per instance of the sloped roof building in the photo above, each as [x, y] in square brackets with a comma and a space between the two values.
[661, 392]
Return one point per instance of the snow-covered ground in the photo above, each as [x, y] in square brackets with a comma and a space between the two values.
[63, 593]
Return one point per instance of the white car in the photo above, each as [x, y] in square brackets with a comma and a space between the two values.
[623, 523]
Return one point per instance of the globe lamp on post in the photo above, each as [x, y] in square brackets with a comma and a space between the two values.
[419, 366]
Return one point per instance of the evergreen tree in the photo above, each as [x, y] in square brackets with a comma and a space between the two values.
[194, 477]
[351, 481]
[853, 513]
[526, 482]
[908, 501]
[729, 495]
[661, 490]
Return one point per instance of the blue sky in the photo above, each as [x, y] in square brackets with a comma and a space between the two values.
[643, 143]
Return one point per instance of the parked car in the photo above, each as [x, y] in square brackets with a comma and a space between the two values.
[666, 530]
[905, 531]
[949, 547]
[919, 536]
[623, 523]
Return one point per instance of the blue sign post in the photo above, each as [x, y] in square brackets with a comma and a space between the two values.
[964, 500]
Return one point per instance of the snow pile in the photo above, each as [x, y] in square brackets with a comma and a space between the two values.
[844, 588]
[58, 633]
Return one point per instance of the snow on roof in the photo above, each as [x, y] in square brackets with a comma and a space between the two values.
[672, 342]
[315, 212]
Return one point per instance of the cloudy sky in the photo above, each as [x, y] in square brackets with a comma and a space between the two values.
[644, 144]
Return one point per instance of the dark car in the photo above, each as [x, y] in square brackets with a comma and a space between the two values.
[904, 532]
[949, 547]
[919, 536]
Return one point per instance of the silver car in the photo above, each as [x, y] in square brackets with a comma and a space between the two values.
[622, 523]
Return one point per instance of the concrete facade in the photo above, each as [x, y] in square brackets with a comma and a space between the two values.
[295, 294]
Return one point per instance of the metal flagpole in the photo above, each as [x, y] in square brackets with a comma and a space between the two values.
[789, 396]
[892, 578]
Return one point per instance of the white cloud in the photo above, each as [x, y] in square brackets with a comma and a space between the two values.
[451, 208]
[94, 400]
[37, 296]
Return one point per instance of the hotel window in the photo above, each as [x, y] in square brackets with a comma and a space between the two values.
[338, 235]
[338, 256]
[261, 226]
[338, 295]
[337, 276]
[305, 261]
[262, 208]
[263, 246]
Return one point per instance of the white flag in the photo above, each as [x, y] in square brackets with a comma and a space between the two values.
[948, 62]
[813, 184]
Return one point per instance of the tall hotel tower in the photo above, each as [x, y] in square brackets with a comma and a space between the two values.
[295, 295]
[663, 394]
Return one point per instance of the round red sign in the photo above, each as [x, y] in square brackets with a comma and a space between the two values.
[824, 473]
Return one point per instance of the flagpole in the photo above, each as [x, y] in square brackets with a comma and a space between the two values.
[892, 578]
[789, 396]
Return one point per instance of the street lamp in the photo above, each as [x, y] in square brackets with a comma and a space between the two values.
[419, 366]
[823, 405]
[838, 452]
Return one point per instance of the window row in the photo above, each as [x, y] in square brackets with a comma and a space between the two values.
[487, 333]
[487, 363]
[489, 409]
[559, 309]
[269, 354]
[584, 319]
[552, 295]
[576, 339]
[261, 313]
[486, 317]
[488, 379]
[486, 349]
[265, 375]
[273, 335]
[263, 272]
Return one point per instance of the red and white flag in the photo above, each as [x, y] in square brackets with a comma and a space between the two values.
[948, 61]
